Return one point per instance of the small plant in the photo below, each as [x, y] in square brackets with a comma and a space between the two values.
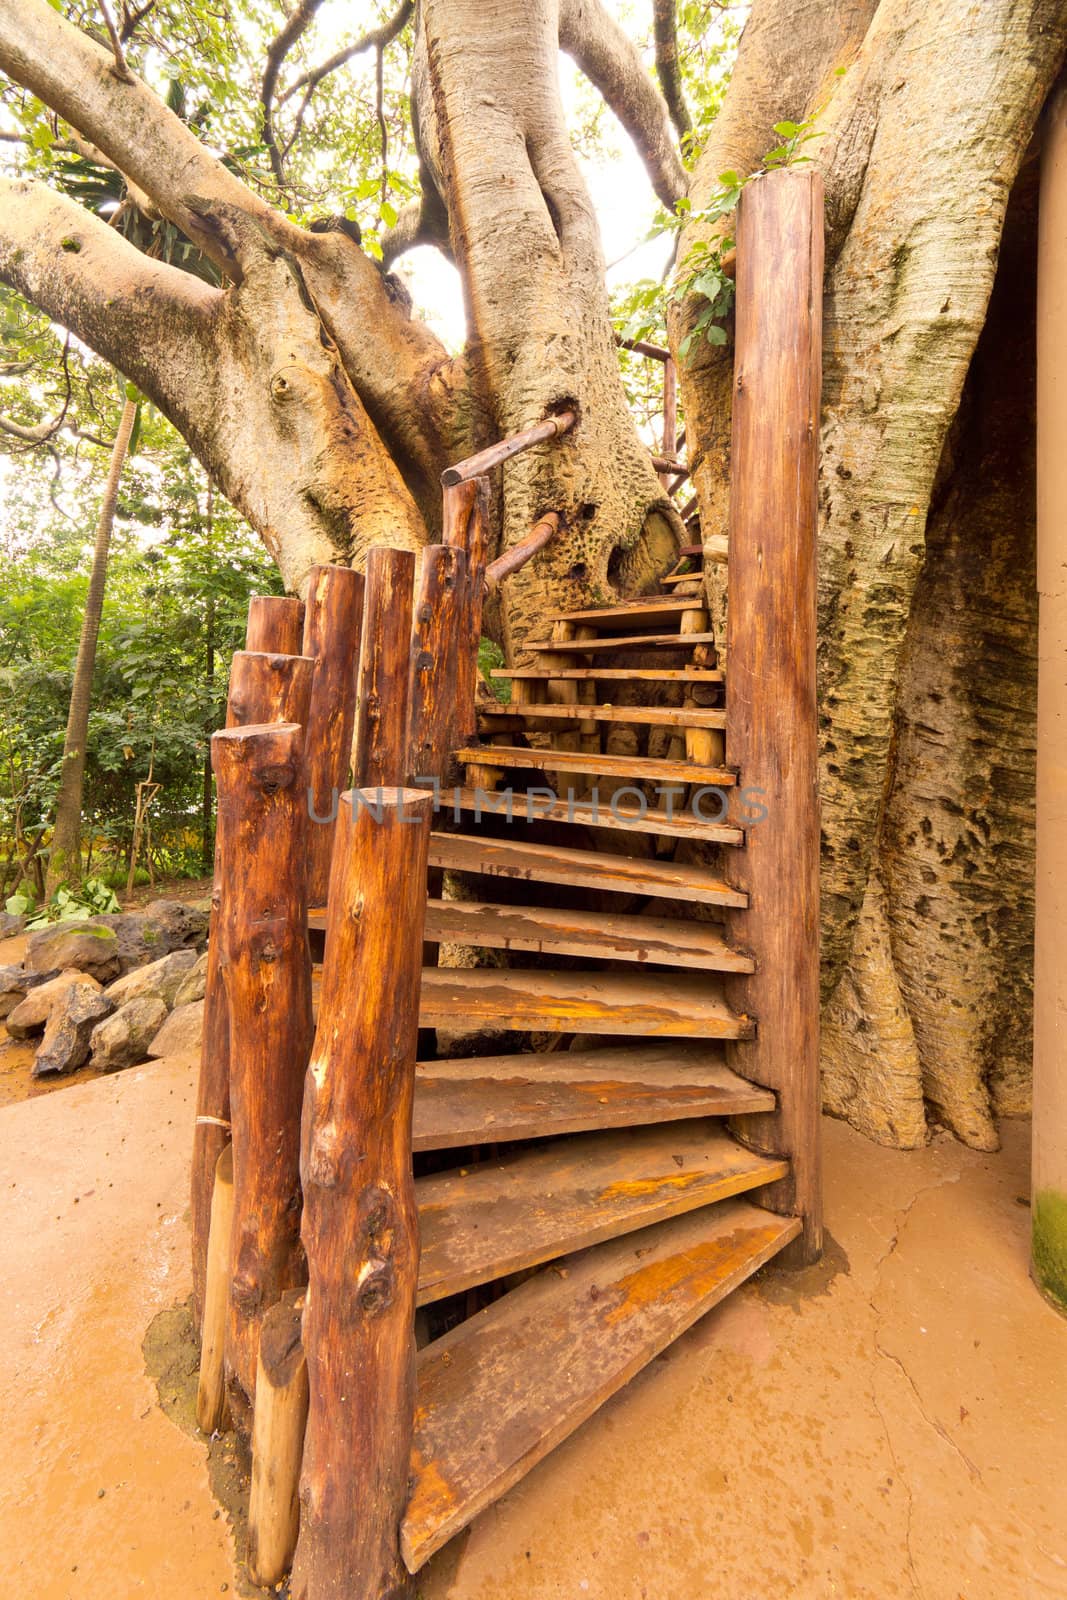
[92, 898]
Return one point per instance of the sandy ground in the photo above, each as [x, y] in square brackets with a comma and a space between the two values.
[889, 1423]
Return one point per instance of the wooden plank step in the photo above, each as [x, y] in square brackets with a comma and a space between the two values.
[589, 869]
[502, 1389]
[677, 824]
[484, 1221]
[661, 1005]
[652, 611]
[639, 641]
[613, 674]
[680, 717]
[639, 768]
[548, 930]
[552, 1092]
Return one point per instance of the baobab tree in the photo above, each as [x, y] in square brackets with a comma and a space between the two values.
[325, 410]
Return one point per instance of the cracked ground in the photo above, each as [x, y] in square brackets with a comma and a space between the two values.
[888, 1423]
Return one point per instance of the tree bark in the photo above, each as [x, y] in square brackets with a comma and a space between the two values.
[64, 860]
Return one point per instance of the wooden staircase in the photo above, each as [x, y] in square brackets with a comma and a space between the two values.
[606, 945]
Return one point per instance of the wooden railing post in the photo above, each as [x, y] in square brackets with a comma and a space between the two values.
[275, 624]
[266, 968]
[333, 618]
[435, 634]
[263, 688]
[380, 753]
[466, 526]
[771, 713]
[360, 1225]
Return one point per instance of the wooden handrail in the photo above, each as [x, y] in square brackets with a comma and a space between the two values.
[474, 466]
[668, 464]
[544, 530]
[641, 347]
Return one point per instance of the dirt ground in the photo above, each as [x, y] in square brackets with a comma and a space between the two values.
[889, 1423]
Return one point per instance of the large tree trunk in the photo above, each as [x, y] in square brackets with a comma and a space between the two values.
[65, 856]
[927, 608]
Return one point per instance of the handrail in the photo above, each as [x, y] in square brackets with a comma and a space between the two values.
[544, 530]
[475, 465]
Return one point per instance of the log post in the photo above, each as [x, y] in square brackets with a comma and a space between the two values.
[211, 1389]
[434, 647]
[466, 525]
[277, 1442]
[266, 968]
[360, 1223]
[380, 753]
[332, 621]
[275, 624]
[263, 688]
[771, 711]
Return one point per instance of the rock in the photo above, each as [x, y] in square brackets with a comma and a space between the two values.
[10, 925]
[122, 1039]
[34, 1011]
[194, 984]
[183, 924]
[15, 985]
[160, 979]
[180, 1034]
[65, 1045]
[83, 945]
[147, 935]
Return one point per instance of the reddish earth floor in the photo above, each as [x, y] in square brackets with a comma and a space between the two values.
[889, 1424]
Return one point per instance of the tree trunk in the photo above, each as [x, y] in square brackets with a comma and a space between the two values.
[65, 861]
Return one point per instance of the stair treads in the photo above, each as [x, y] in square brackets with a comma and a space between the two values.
[638, 768]
[589, 869]
[600, 936]
[622, 674]
[613, 641]
[583, 813]
[680, 717]
[502, 1389]
[548, 1093]
[660, 1004]
[654, 611]
[481, 1222]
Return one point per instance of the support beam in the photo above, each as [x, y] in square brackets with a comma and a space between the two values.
[466, 525]
[277, 1442]
[771, 711]
[380, 753]
[360, 1228]
[434, 645]
[333, 618]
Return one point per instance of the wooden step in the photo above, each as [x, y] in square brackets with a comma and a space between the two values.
[595, 935]
[639, 641]
[653, 611]
[501, 1390]
[680, 717]
[484, 1221]
[589, 869]
[640, 769]
[613, 674]
[661, 1005]
[538, 1096]
[677, 824]
[673, 578]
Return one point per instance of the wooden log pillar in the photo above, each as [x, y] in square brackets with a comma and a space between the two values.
[277, 1442]
[333, 618]
[360, 1224]
[771, 712]
[211, 1388]
[263, 688]
[275, 624]
[1048, 1216]
[466, 526]
[435, 639]
[266, 968]
[381, 747]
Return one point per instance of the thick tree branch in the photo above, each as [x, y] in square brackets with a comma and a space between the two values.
[611, 61]
[665, 32]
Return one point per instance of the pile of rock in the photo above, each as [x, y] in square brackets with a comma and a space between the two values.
[112, 990]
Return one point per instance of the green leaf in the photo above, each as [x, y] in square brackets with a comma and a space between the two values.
[786, 130]
[389, 214]
[714, 334]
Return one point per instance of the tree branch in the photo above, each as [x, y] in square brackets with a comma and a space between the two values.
[376, 39]
[296, 25]
[665, 32]
[120, 69]
[611, 61]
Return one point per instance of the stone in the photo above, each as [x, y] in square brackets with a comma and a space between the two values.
[83, 945]
[122, 1039]
[161, 927]
[194, 984]
[180, 1034]
[159, 979]
[183, 924]
[66, 1041]
[10, 924]
[15, 985]
[34, 1011]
